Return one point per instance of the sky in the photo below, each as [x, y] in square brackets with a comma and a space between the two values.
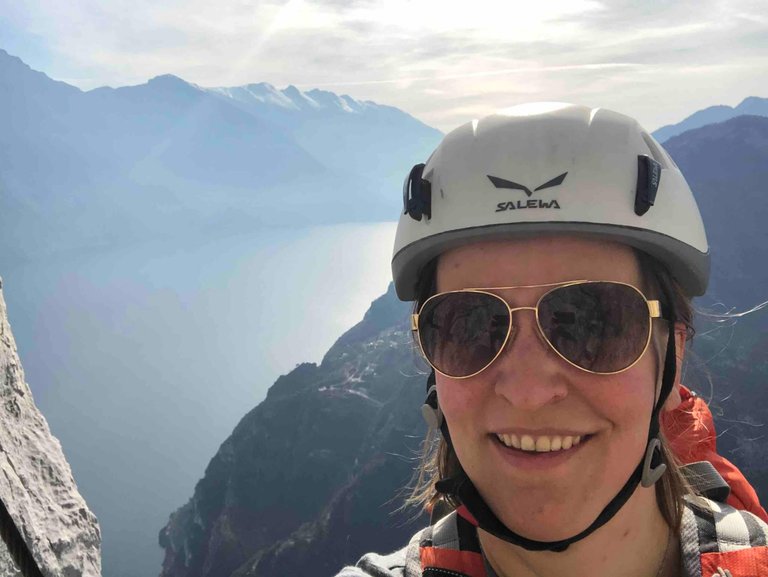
[442, 62]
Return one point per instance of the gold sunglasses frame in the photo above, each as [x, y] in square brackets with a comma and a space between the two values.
[654, 312]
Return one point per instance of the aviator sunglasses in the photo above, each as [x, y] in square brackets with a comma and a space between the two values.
[601, 327]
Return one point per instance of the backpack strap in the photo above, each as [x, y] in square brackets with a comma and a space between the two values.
[412, 553]
[719, 540]
[450, 548]
[704, 477]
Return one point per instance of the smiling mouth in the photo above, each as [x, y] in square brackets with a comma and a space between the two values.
[541, 443]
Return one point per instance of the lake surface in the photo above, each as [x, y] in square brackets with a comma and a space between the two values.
[144, 359]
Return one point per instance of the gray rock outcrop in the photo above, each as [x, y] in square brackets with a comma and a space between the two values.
[36, 482]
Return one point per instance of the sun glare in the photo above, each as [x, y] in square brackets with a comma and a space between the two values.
[532, 109]
[526, 20]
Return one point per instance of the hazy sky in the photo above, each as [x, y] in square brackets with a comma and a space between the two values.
[443, 62]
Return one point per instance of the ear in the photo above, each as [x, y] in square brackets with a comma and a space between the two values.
[674, 399]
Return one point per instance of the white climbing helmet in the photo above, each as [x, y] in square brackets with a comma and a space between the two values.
[550, 168]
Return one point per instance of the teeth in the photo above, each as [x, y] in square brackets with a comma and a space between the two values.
[541, 444]
[527, 443]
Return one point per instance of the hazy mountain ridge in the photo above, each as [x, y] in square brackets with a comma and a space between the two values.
[170, 158]
[753, 106]
[375, 360]
[725, 165]
[320, 120]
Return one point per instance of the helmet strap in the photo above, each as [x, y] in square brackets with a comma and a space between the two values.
[648, 471]
[430, 410]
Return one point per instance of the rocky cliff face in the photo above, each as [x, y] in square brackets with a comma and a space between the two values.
[309, 479]
[36, 484]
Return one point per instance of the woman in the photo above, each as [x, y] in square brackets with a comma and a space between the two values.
[552, 251]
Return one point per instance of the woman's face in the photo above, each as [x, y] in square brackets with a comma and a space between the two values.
[531, 392]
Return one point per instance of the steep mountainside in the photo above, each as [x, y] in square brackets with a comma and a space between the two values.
[169, 158]
[310, 478]
[726, 165]
[330, 444]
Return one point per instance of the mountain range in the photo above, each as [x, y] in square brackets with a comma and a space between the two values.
[168, 158]
[109, 166]
[313, 477]
[751, 106]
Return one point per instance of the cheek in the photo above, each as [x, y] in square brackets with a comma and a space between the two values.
[460, 400]
[627, 402]
[463, 405]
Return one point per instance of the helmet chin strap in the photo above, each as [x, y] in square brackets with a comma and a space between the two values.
[648, 471]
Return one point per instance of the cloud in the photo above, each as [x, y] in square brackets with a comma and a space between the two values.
[439, 61]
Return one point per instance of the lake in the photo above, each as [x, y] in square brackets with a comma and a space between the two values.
[143, 359]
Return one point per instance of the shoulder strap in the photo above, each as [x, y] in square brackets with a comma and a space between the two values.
[449, 548]
[717, 539]
[412, 553]
[704, 477]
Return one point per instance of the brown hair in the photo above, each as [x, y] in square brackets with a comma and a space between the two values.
[438, 460]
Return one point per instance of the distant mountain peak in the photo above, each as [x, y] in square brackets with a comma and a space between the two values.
[10, 57]
[333, 100]
[753, 105]
[170, 80]
[259, 88]
[14, 70]
[293, 99]
[261, 92]
[301, 99]
[14, 65]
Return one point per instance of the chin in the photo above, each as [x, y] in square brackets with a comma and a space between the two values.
[545, 519]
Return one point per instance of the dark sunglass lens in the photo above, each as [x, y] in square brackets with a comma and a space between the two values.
[601, 327]
[461, 332]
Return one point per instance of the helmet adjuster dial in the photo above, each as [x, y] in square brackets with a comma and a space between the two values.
[417, 194]
[648, 179]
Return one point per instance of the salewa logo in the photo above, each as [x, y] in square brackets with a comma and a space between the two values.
[502, 206]
[502, 183]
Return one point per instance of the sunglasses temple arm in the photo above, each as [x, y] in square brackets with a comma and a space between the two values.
[664, 312]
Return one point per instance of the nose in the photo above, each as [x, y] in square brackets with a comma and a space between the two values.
[528, 374]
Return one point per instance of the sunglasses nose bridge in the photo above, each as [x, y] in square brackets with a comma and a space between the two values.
[513, 328]
[513, 309]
